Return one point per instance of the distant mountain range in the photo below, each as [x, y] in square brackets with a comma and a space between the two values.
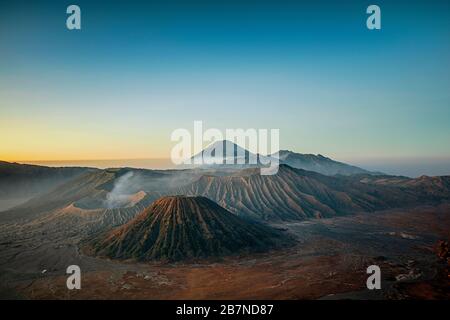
[204, 212]
[226, 154]
[319, 163]
[117, 195]
[291, 194]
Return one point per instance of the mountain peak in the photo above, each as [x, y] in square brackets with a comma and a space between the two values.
[226, 146]
[225, 153]
[318, 163]
[185, 227]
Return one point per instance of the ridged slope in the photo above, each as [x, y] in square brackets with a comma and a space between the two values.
[179, 227]
[293, 194]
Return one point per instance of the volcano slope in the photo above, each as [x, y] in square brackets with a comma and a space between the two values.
[179, 227]
[21, 182]
[296, 194]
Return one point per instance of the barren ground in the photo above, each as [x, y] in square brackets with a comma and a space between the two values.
[329, 262]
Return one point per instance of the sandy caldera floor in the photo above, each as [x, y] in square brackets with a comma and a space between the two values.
[329, 262]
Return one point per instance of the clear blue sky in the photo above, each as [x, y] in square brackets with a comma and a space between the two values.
[138, 70]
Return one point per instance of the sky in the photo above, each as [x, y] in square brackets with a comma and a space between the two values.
[136, 71]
